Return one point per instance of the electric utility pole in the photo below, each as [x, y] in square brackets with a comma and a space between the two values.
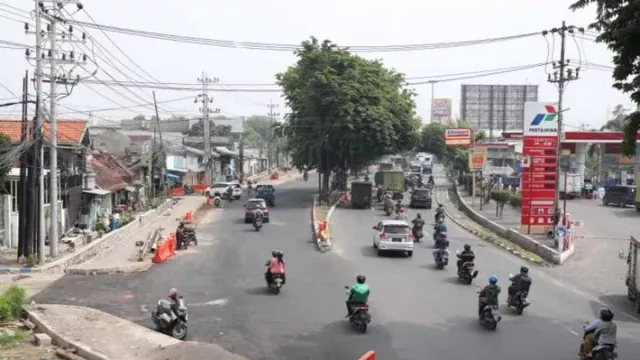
[272, 115]
[563, 73]
[205, 99]
[56, 58]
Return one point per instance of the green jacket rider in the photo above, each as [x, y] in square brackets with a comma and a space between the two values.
[489, 295]
[358, 294]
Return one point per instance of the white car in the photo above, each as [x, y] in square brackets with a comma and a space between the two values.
[221, 188]
[393, 235]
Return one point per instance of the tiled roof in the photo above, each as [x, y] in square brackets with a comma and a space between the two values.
[111, 173]
[69, 131]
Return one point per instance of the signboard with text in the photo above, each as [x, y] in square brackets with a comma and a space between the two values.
[539, 176]
[441, 110]
[457, 137]
[477, 157]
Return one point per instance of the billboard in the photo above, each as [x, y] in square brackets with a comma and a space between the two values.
[495, 107]
[541, 119]
[441, 110]
[457, 137]
[539, 182]
[478, 157]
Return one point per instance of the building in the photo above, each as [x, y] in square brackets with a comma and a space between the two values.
[491, 107]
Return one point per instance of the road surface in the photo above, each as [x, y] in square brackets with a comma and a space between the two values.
[418, 313]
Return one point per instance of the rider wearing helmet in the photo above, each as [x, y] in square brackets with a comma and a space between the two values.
[520, 282]
[173, 295]
[398, 206]
[358, 294]
[489, 295]
[467, 255]
[276, 266]
[601, 332]
[418, 222]
[439, 212]
[430, 181]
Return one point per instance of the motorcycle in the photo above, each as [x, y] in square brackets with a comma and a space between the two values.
[442, 234]
[442, 259]
[257, 223]
[388, 207]
[599, 352]
[276, 283]
[187, 238]
[417, 233]
[490, 316]
[379, 194]
[169, 322]
[360, 318]
[400, 214]
[467, 272]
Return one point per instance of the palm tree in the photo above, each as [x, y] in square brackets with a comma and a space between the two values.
[618, 121]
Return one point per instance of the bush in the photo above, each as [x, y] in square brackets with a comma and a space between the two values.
[11, 303]
[515, 201]
[501, 196]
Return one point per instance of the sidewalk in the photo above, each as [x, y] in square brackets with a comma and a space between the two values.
[122, 256]
[98, 335]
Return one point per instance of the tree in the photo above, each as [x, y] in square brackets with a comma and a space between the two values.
[479, 135]
[197, 129]
[6, 151]
[346, 111]
[619, 120]
[432, 140]
[617, 22]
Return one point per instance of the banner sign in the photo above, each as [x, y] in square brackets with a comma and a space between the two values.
[457, 137]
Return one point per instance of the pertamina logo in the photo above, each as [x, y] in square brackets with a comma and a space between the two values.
[540, 120]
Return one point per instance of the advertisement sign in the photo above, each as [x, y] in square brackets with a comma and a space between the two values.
[539, 182]
[457, 137]
[540, 119]
[441, 110]
[477, 157]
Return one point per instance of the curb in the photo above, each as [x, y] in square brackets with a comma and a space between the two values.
[487, 238]
[82, 350]
[323, 245]
[23, 270]
[133, 268]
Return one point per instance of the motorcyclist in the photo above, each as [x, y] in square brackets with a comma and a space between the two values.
[601, 332]
[418, 224]
[439, 227]
[489, 294]
[358, 294]
[276, 267]
[180, 234]
[229, 193]
[249, 186]
[520, 282]
[467, 255]
[173, 295]
[380, 193]
[430, 181]
[258, 214]
[399, 206]
[441, 244]
[439, 212]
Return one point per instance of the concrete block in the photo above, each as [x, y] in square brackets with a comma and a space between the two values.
[41, 340]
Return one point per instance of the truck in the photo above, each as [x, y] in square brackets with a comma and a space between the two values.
[361, 194]
[633, 273]
[392, 179]
[570, 185]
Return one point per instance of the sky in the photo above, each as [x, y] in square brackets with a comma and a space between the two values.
[347, 23]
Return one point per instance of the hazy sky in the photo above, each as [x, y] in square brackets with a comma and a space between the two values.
[355, 22]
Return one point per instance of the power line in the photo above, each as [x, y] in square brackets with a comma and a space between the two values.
[292, 47]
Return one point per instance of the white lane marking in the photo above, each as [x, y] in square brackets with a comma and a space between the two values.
[217, 302]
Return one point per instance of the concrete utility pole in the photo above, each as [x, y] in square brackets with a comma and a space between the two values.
[53, 11]
[272, 114]
[205, 110]
[563, 73]
[163, 157]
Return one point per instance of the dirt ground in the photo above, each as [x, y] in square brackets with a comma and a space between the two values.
[19, 347]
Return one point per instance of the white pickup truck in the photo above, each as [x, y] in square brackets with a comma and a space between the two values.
[570, 185]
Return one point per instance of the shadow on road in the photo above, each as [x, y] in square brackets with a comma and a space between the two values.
[620, 302]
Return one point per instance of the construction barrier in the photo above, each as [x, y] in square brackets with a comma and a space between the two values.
[322, 229]
[165, 249]
[178, 191]
[370, 355]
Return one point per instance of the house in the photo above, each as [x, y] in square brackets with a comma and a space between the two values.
[186, 165]
[73, 144]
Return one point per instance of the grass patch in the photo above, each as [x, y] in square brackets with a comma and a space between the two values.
[12, 338]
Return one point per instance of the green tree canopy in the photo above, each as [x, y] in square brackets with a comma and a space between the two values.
[5, 152]
[346, 111]
[619, 26]
[432, 140]
[197, 129]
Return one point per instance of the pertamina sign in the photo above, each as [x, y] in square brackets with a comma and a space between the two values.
[540, 119]
[457, 137]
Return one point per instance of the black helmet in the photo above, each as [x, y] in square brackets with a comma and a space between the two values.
[606, 314]
[524, 270]
[361, 279]
[419, 216]
[440, 205]
[279, 254]
[467, 247]
[274, 253]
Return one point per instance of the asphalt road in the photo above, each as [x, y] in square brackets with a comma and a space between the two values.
[418, 312]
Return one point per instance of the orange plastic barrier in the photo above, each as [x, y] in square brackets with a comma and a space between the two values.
[188, 216]
[171, 244]
[199, 188]
[370, 355]
[322, 226]
[177, 191]
[165, 249]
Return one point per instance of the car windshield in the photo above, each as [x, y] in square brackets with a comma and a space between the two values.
[415, 169]
[219, 185]
[256, 204]
[396, 229]
[421, 193]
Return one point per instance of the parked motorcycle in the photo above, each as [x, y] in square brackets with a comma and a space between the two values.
[217, 200]
[276, 283]
[490, 316]
[442, 259]
[600, 352]
[360, 318]
[169, 322]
